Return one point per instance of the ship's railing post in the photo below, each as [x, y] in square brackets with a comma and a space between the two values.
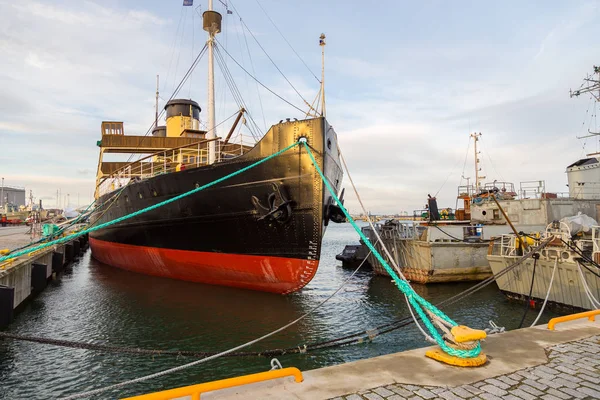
[198, 157]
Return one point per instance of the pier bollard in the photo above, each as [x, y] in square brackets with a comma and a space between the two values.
[76, 248]
[7, 302]
[38, 277]
[58, 260]
[69, 253]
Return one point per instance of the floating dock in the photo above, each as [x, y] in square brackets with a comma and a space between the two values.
[28, 275]
[524, 364]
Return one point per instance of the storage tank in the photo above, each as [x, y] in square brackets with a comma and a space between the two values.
[182, 114]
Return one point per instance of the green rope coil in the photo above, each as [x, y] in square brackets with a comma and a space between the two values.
[415, 300]
[144, 210]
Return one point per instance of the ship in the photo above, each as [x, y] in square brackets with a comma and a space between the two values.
[260, 230]
[564, 274]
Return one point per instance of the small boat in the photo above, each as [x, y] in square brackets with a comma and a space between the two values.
[565, 274]
[353, 255]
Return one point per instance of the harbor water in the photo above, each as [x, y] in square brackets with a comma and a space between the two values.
[100, 304]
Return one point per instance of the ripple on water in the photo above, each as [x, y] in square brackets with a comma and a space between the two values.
[98, 303]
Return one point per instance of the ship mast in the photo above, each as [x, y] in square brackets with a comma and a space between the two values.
[322, 44]
[156, 105]
[591, 86]
[211, 24]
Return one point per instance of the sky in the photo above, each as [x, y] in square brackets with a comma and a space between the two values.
[406, 84]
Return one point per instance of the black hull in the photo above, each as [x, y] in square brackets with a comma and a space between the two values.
[231, 217]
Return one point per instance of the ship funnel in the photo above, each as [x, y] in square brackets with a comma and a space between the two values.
[182, 114]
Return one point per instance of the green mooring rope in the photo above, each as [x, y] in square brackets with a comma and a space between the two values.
[144, 210]
[415, 300]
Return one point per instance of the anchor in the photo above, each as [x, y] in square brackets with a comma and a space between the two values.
[279, 207]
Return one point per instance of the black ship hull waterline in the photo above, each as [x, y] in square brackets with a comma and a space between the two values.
[259, 230]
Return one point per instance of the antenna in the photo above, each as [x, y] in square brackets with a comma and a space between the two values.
[322, 44]
[591, 86]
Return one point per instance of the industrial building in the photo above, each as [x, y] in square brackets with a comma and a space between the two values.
[12, 195]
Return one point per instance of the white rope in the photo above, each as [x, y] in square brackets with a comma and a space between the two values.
[392, 261]
[547, 294]
[425, 334]
[595, 303]
[203, 360]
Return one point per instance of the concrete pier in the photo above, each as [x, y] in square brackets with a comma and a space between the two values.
[18, 276]
[525, 364]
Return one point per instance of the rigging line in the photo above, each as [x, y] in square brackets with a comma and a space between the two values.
[379, 240]
[235, 92]
[259, 82]
[547, 294]
[288, 43]
[584, 257]
[254, 72]
[588, 292]
[269, 57]
[181, 83]
[173, 49]
[454, 168]
[223, 353]
[535, 259]
[239, 41]
[180, 43]
[466, 155]
[491, 162]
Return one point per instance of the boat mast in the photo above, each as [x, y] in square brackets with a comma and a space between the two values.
[211, 24]
[475, 137]
[322, 44]
[156, 105]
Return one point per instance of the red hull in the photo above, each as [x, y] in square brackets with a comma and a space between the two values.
[264, 273]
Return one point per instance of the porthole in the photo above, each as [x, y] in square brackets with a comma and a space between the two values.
[126, 199]
[483, 212]
[140, 195]
[196, 185]
[154, 192]
[329, 144]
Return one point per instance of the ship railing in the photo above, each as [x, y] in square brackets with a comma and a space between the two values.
[499, 186]
[162, 162]
[504, 245]
[466, 191]
[401, 231]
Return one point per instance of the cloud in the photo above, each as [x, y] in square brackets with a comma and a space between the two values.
[403, 94]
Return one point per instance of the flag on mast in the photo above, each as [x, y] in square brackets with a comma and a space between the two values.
[188, 2]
